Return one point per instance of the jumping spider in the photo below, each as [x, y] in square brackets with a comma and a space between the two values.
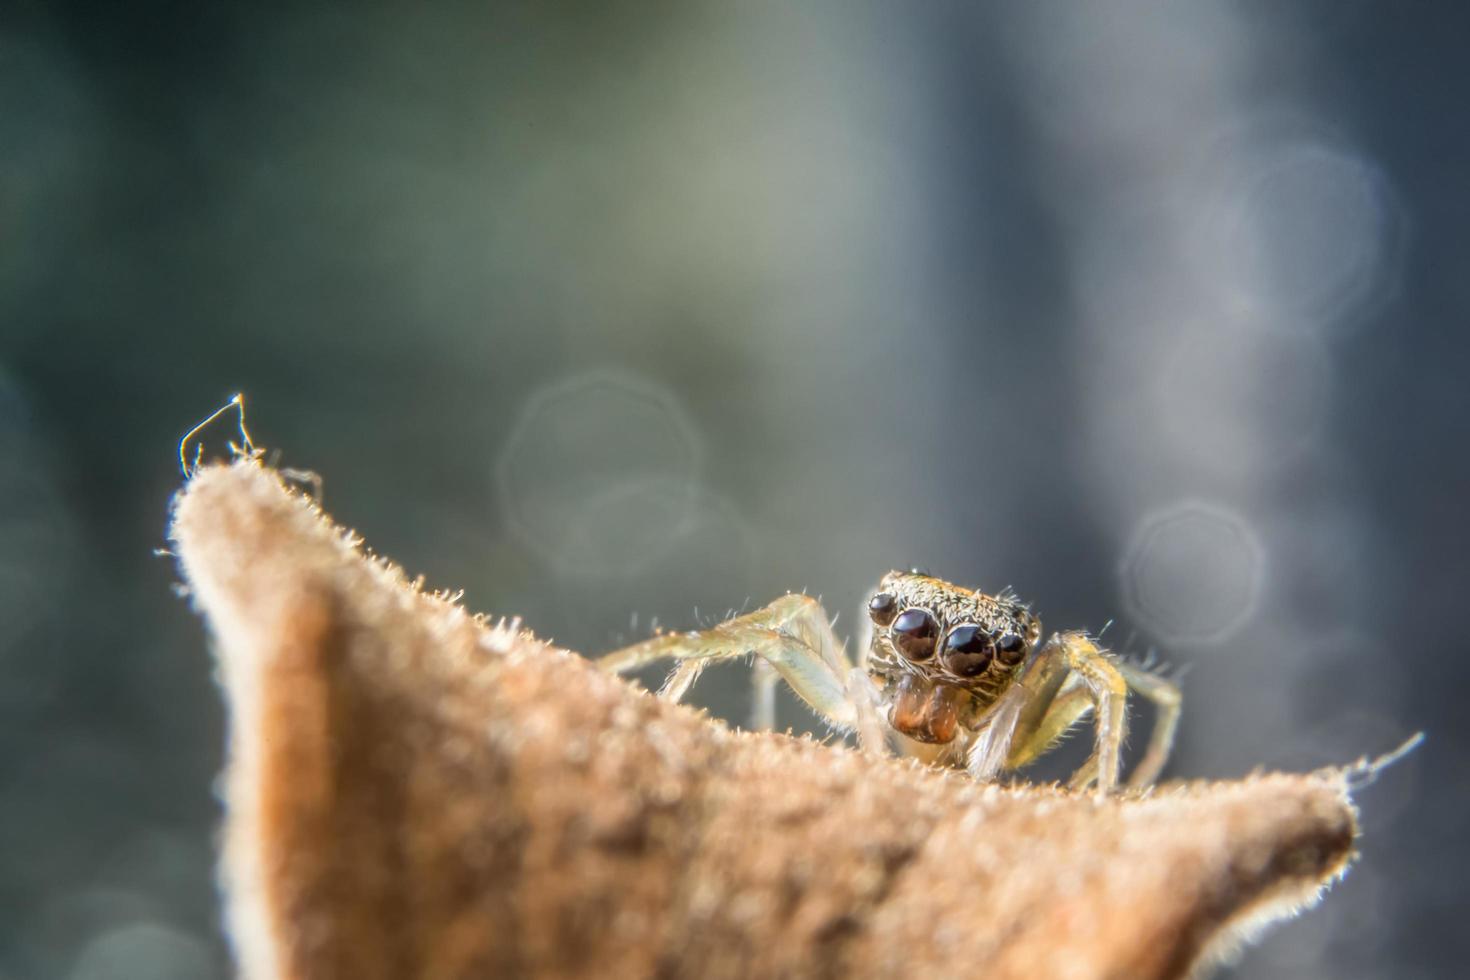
[949, 675]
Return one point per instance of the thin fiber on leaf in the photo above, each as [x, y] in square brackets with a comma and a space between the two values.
[415, 792]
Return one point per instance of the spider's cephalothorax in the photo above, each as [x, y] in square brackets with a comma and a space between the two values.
[941, 654]
[949, 675]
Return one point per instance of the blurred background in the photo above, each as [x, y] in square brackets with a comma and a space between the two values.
[1154, 312]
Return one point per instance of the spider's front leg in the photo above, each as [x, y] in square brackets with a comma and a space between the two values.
[1080, 676]
[1071, 676]
[1165, 696]
[791, 638]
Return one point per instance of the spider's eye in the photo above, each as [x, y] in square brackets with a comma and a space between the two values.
[914, 633]
[1010, 649]
[883, 607]
[967, 651]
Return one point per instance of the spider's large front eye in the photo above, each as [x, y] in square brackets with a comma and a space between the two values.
[883, 607]
[967, 651]
[914, 633]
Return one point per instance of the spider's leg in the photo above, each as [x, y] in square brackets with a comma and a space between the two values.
[681, 679]
[1046, 700]
[1071, 701]
[763, 678]
[793, 636]
[1165, 696]
[988, 751]
[1108, 693]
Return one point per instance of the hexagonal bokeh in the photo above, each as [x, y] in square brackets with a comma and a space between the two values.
[600, 473]
[1311, 233]
[1193, 573]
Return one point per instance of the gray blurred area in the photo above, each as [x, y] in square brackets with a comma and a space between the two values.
[1154, 312]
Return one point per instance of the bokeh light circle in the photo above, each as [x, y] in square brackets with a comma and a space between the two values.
[1307, 233]
[600, 474]
[144, 949]
[1193, 573]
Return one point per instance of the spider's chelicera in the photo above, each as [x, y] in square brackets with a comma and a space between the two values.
[950, 675]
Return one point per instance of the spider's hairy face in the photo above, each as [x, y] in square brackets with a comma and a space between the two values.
[941, 654]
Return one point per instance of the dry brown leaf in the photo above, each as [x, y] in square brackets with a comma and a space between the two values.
[414, 793]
